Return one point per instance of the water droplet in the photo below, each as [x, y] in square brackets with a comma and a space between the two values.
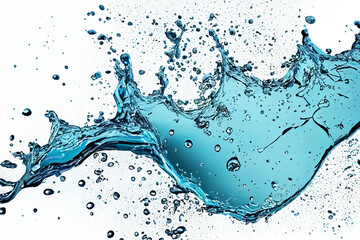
[233, 164]
[116, 195]
[217, 148]
[8, 164]
[251, 21]
[56, 77]
[180, 230]
[91, 32]
[104, 157]
[101, 7]
[171, 132]
[188, 143]
[141, 72]
[310, 19]
[357, 23]
[27, 112]
[2, 211]
[12, 137]
[146, 211]
[62, 178]
[81, 183]
[110, 234]
[90, 205]
[96, 75]
[48, 191]
[152, 192]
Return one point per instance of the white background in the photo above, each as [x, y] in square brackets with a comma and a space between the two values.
[41, 37]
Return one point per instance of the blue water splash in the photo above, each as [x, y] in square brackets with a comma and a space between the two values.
[247, 150]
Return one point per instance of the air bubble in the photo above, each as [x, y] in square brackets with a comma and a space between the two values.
[188, 143]
[233, 164]
[217, 148]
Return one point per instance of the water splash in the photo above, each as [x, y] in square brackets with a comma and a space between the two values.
[247, 150]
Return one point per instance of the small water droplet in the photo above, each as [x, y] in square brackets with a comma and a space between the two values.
[56, 77]
[116, 195]
[2, 211]
[146, 211]
[171, 132]
[48, 191]
[110, 234]
[90, 205]
[180, 230]
[310, 19]
[27, 112]
[104, 157]
[81, 183]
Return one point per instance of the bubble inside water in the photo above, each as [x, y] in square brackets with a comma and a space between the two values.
[188, 143]
[233, 164]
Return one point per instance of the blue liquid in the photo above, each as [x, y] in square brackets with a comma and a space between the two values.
[247, 150]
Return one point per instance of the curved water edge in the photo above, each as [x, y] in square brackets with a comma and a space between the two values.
[316, 106]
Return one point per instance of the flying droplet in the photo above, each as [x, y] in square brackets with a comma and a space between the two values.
[2, 211]
[310, 19]
[56, 77]
[48, 191]
[8, 164]
[146, 211]
[116, 195]
[104, 157]
[27, 112]
[110, 234]
[90, 205]
[81, 183]
[180, 230]
[91, 32]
